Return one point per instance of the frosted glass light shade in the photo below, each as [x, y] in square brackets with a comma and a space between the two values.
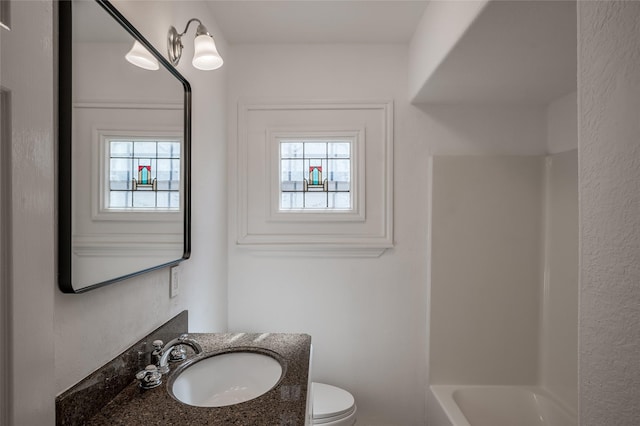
[206, 56]
[140, 57]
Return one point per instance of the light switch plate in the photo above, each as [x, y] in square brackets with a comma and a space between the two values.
[174, 285]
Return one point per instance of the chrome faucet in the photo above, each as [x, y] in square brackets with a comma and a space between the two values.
[174, 351]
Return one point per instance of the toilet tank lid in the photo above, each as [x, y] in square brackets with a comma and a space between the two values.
[330, 401]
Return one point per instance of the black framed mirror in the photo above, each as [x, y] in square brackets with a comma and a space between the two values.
[124, 147]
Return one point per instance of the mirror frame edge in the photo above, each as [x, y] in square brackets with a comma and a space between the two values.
[64, 151]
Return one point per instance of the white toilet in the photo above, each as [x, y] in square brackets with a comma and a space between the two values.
[332, 406]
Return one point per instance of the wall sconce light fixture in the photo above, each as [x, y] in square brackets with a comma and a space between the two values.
[205, 54]
[140, 57]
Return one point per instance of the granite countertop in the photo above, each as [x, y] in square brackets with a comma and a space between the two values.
[285, 404]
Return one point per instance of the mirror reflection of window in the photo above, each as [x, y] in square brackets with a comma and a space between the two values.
[144, 174]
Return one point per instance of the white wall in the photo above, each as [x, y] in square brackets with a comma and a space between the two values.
[485, 269]
[558, 369]
[484, 129]
[30, 80]
[609, 129]
[366, 316]
[92, 328]
[441, 27]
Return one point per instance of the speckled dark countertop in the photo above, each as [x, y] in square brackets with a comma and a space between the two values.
[283, 405]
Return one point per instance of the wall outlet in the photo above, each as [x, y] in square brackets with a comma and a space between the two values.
[174, 282]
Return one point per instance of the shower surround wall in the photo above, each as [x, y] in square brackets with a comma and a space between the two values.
[558, 367]
[504, 280]
[486, 248]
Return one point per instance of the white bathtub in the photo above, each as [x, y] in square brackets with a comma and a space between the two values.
[501, 406]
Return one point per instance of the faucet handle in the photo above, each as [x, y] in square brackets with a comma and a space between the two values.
[156, 354]
[150, 377]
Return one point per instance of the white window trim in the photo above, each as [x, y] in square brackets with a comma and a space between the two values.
[100, 181]
[355, 138]
[316, 244]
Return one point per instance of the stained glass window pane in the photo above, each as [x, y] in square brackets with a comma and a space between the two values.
[339, 200]
[339, 150]
[315, 200]
[291, 170]
[168, 174]
[339, 170]
[168, 150]
[315, 150]
[163, 199]
[291, 150]
[121, 149]
[120, 173]
[120, 199]
[312, 172]
[144, 199]
[144, 149]
[292, 200]
[174, 200]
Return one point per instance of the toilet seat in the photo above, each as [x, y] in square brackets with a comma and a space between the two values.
[332, 406]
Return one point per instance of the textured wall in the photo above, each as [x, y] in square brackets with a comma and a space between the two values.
[609, 155]
[29, 78]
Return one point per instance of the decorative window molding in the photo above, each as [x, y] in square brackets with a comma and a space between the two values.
[363, 229]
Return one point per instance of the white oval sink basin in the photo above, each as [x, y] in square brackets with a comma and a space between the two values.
[226, 379]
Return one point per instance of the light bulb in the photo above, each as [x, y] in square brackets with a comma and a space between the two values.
[206, 56]
[140, 57]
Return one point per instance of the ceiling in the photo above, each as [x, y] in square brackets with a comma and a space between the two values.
[317, 21]
[515, 52]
